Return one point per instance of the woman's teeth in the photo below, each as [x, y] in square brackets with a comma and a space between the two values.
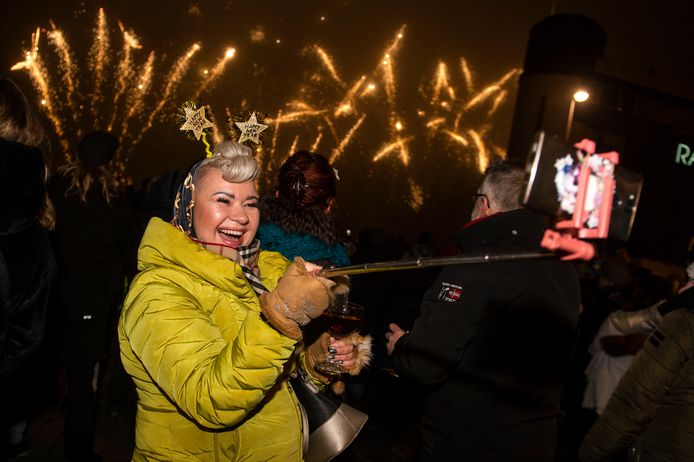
[231, 233]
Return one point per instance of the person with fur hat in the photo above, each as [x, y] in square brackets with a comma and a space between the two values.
[297, 220]
[27, 266]
[95, 243]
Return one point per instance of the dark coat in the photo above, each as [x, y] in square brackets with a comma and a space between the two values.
[27, 266]
[652, 408]
[493, 344]
[95, 244]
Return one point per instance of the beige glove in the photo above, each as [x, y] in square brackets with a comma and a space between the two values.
[298, 298]
[315, 353]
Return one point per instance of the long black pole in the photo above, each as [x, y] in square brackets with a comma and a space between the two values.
[399, 265]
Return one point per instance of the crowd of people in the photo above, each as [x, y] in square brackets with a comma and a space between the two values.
[205, 300]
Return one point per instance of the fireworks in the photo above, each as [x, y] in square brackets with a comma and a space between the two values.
[125, 89]
[33, 64]
[113, 91]
[331, 111]
[451, 108]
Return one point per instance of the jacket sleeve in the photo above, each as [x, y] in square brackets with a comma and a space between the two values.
[640, 391]
[451, 313]
[23, 316]
[214, 382]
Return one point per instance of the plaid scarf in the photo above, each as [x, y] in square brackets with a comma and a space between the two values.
[245, 256]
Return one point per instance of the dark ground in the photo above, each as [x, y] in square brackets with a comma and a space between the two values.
[379, 440]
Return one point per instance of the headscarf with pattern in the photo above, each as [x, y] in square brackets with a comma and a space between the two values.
[245, 256]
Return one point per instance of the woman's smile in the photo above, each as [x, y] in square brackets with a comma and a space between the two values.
[225, 213]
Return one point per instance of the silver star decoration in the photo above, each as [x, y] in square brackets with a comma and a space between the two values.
[251, 129]
[196, 121]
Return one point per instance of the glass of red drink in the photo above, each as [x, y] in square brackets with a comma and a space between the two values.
[340, 320]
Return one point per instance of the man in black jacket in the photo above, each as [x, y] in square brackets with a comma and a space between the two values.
[493, 341]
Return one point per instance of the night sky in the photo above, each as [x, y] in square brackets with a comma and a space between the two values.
[648, 41]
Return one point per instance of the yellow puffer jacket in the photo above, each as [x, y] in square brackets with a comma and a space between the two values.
[208, 369]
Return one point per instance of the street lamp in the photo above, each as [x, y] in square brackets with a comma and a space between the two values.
[579, 96]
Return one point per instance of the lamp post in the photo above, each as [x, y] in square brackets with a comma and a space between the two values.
[579, 96]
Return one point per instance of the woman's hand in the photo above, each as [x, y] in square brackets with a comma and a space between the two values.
[352, 352]
[342, 352]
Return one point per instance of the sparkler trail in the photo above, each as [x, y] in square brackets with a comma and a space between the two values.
[346, 106]
[98, 60]
[34, 66]
[328, 63]
[213, 75]
[482, 154]
[67, 65]
[491, 89]
[500, 98]
[345, 141]
[315, 144]
[331, 126]
[216, 135]
[441, 84]
[292, 149]
[136, 97]
[173, 79]
[457, 137]
[467, 75]
[298, 116]
[400, 145]
[125, 69]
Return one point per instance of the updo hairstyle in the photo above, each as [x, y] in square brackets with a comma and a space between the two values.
[308, 180]
[234, 160]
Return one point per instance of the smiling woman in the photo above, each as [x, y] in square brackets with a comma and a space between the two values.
[227, 211]
[209, 330]
[230, 216]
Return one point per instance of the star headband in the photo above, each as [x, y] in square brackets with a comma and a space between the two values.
[195, 120]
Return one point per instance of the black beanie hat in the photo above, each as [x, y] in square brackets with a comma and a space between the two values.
[96, 149]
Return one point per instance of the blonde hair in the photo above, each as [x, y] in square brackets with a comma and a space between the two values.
[93, 164]
[81, 180]
[46, 216]
[234, 160]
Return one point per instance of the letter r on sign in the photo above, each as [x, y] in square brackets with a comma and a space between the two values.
[682, 154]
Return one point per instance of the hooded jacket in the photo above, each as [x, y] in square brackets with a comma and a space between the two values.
[652, 408]
[209, 371]
[492, 345]
[27, 267]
